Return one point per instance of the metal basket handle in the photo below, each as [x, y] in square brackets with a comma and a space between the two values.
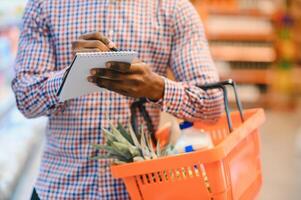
[140, 105]
[222, 85]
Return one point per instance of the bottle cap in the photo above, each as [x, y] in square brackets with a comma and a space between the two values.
[189, 149]
[185, 125]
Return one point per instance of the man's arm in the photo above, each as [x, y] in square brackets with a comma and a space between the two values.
[192, 65]
[36, 81]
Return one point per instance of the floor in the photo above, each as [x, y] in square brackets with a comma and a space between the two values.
[281, 156]
[25, 186]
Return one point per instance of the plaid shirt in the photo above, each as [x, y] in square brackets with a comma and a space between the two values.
[165, 33]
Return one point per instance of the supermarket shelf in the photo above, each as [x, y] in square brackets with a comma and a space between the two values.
[263, 101]
[296, 76]
[242, 45]
[7, 23]
[18, 137]
[6, 104]
[249, 76]
[226, 10]
[221, 27]
[244, 54]
[241, 37]
[11, 12]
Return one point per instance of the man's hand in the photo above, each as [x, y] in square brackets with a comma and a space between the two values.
[92, 42]
[136, 80]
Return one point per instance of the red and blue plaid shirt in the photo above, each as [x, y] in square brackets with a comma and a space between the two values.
[165, 33]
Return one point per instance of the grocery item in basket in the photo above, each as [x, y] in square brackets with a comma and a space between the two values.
[123, 145]
[192, 139]
[163, 134]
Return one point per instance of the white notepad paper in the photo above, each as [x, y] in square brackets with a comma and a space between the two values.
[75, 83]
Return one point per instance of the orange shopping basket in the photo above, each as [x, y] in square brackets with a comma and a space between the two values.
[230, 170]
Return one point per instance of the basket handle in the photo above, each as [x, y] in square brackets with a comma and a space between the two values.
[219, 85]
[222, 85]
[140, 106]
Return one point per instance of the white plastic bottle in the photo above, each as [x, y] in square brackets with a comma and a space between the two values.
[192, 139]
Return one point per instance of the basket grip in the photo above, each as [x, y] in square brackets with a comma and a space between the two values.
[222, 85]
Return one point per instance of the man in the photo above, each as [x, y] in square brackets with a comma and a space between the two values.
[165, 33]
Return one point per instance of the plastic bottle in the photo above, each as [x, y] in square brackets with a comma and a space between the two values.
[192, 139]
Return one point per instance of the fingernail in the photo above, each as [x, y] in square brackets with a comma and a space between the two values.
[108, 65]
[93, 72]
[111, 44]
[90, 79]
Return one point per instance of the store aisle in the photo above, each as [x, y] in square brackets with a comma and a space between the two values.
[25, 185]
[281, 157]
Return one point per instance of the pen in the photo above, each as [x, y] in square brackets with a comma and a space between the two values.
[114, 49]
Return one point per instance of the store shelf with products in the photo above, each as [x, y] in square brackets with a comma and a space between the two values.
[251, 95]
[233, 52]
[7, 101]
[241, 38]
[18, 135]
[10, 17]
[249, 73]
[295, 10]
[296, 73]
[239, 28]
[11, 11]
[262, 8]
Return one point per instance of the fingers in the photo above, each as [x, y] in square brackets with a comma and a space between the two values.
[124, 79]
[107, 74]
[94, 36]
[135, 61]
[136, 82]
[84, 45]
[115, 86]
[98, 36]
[118, 66]
[100, 82]
[85, 50]
[135, 68]
[110, 73]
[139, 68]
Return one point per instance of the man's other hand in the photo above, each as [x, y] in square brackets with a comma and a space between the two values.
[134, 80]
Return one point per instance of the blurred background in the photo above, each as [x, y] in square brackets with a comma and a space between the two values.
[255, 42]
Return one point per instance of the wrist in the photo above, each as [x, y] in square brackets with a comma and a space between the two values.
[158, 86]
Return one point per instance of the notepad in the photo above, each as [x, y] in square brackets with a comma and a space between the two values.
[75, 82]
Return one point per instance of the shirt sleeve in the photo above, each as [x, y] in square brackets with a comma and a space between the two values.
[36, 80]
[192, 65]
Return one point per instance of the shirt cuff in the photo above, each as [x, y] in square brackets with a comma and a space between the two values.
[174, 96]
[52, 86]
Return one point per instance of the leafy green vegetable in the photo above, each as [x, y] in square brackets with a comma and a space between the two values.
[124, 146]
[124, 133]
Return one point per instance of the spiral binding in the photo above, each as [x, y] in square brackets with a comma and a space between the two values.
[106, 54]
